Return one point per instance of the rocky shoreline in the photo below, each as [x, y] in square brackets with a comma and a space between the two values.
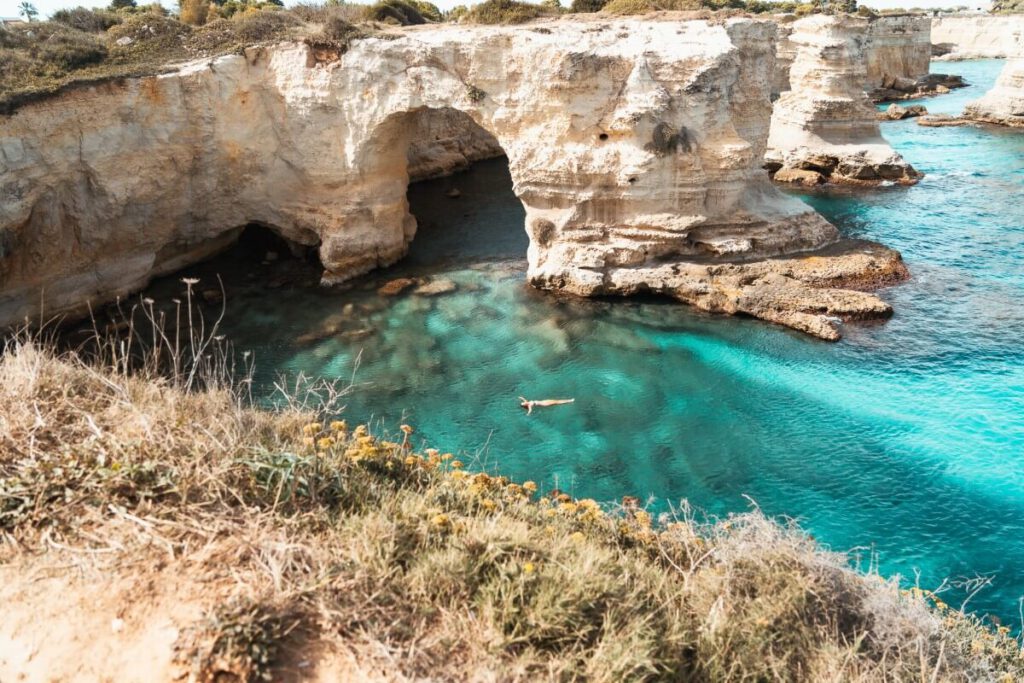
[635, 158]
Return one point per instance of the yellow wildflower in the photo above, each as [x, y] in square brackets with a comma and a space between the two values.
[410, 460]
[459, 475]
[529, 568]
[530, 486]
[312, 428]
[325, 443]
[550, 512]
[440, 520]
[488, 504]
[643, 518]
[407, 430]
[359, 431]
[456, 464]
[568, 508]
[308, 441]
[339, 426]
[578, 537]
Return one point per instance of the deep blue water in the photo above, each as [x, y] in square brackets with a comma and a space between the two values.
[906, 437]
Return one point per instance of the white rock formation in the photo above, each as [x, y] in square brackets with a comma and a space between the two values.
[898, 47]
[825, 128]
[635, 146]
[1004, 103]
[978, 36]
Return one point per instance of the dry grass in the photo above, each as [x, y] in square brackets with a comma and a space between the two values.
[325, 533]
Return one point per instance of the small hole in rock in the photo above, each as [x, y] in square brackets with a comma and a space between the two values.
[632, 180]
[603, 136]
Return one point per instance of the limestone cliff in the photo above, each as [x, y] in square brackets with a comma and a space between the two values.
[977, 37]
[1004, 103]
[825, 128]
[635, 146]
[896, 47]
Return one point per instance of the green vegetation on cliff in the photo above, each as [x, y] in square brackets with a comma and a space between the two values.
[296, 535]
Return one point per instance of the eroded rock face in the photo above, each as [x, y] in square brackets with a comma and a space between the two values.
[825, 123]
[635, 146]
[897, 47]
[1004, 103]
[977, 37]
[446, 141]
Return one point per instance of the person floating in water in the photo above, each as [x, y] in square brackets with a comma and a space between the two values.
[543, 403]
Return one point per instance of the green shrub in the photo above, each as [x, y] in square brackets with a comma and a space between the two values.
[585, 6]
[504, 12]
[88, 20]
[396, 12]
[68, 49]
[428, 10]
[455, 14]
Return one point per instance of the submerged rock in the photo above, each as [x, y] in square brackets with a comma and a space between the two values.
[941, 121]
[396, 286]
[435, 288]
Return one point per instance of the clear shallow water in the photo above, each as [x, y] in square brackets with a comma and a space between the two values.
[906, 437]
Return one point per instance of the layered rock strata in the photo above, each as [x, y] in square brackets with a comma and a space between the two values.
[1004, 103]
[635, 147]
[897, 48]
[977, 37]
[825, 129]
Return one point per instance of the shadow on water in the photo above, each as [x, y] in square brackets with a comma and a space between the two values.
[907, 438]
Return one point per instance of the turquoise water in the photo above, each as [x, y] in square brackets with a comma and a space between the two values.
[905, 439]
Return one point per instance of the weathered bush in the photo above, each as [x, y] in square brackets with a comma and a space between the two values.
[88, 20]
[396, 12]
[336, 35]
[628, 7]
[428, 10]
[263, 25]
[504, 12]
[194, 12]
[68, 49]
[584, 6]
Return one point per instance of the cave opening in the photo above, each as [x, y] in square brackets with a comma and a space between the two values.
[460, 192]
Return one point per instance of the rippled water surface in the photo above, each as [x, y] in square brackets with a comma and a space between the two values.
[907, 437]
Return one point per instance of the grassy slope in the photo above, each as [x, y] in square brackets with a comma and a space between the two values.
[293, 538]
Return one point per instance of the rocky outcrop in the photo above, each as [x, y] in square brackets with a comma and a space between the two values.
[896, 112]
[635, 147]
[1004, 103]
[896, 47]
[825, 124]
[977, 36]
[785, 53]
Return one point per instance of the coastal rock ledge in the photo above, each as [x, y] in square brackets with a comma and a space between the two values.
[635, 146]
